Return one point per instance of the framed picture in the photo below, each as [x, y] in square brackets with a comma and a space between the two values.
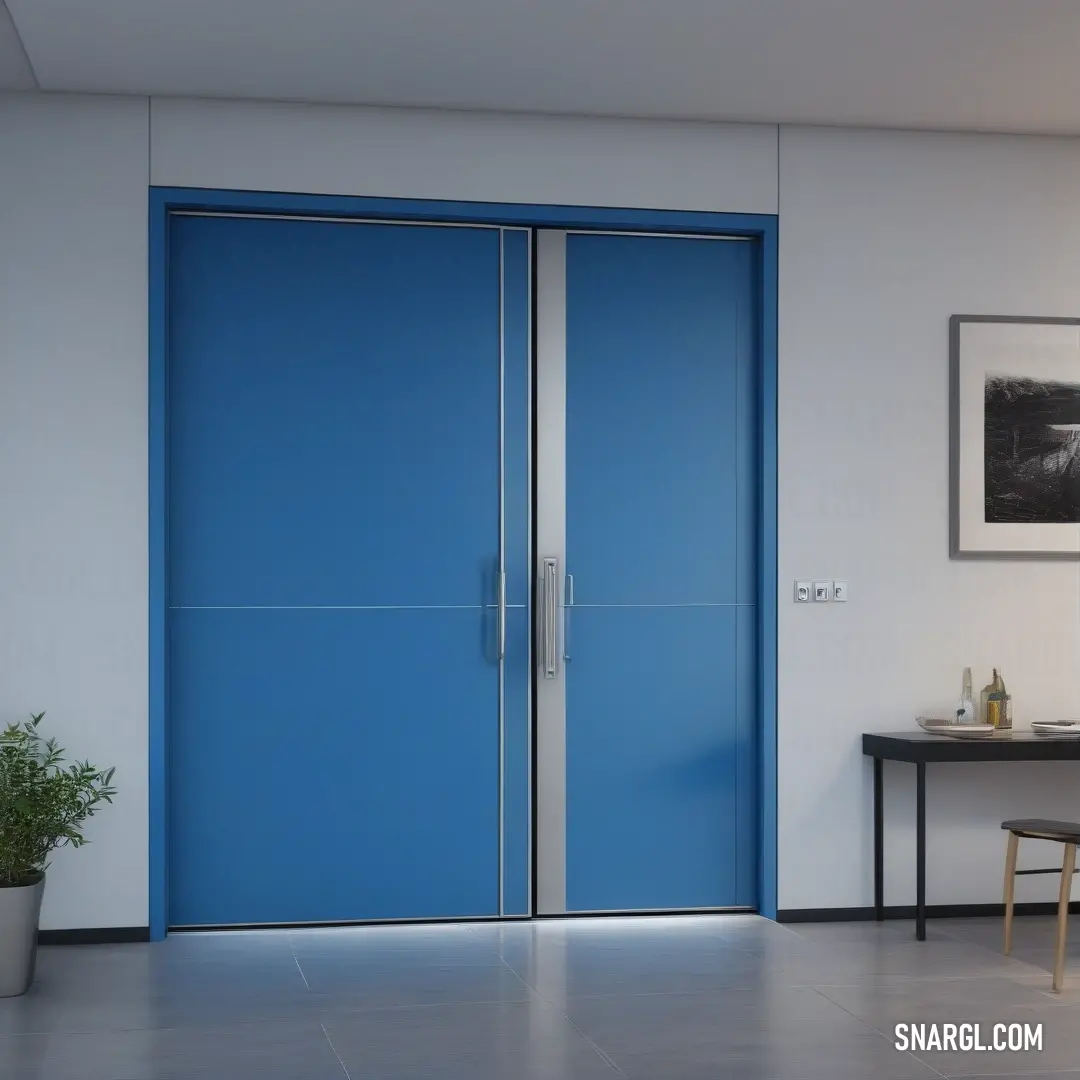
[1015, 434]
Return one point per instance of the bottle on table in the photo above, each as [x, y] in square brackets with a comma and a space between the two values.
[1000, 695]
[996, 703]
[965, 713]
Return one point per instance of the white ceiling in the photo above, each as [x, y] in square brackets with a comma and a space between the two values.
[999, 65]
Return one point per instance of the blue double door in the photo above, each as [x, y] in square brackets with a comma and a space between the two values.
[456, 630]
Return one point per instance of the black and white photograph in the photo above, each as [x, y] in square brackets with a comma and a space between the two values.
[1015, 437]
[1032, 452]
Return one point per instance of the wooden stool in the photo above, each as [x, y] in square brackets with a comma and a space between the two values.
[1062, 832]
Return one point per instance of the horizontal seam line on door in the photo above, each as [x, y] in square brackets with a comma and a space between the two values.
[344, 219]
[729, 237]
[337, 607]
[690, 603]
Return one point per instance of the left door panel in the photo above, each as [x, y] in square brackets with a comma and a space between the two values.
[338, 442]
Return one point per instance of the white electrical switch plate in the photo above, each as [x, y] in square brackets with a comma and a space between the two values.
[839, 591]
[822, 591]
[804, 592]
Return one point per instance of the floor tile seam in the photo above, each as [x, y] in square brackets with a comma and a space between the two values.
[600, 1052]
[296, 959]
[258, 1021]
[901, 978]
[493, 967]
[160, 1029]
[416, 1006]
[330, 1041]
[877, 1031]
[603, 1055]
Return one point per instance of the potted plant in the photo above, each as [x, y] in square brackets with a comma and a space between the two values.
[43, 806]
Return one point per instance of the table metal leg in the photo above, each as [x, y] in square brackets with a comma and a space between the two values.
[879, 842]
[920, 850]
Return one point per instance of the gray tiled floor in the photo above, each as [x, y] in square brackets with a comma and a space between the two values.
[640, 999]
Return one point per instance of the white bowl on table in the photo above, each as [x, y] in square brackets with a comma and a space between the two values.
[950, 728]
[1060, 728]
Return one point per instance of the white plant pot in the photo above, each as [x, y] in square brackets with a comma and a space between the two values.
[20, 909]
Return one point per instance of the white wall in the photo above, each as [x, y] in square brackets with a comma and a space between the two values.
[73, 469]
[477, 157]
[882, 237]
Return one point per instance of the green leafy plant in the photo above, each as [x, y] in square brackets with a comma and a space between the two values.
[43, 803]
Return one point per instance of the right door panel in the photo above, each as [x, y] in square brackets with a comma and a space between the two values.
[646, 377]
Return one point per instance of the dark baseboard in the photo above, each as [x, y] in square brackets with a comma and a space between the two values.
[105, 935]
[933, 911]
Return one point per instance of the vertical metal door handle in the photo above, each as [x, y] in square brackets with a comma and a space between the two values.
[502, 615]
[551, 650]
[566, 617]
[548, 612]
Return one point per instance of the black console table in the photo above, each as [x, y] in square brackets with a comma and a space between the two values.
[919, 747]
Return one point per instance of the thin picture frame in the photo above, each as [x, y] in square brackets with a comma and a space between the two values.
[1056, 341]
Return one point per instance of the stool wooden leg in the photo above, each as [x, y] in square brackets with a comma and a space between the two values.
[1010, 883]
[1068, 865]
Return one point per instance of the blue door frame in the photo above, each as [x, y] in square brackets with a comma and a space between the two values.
[760, 227]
